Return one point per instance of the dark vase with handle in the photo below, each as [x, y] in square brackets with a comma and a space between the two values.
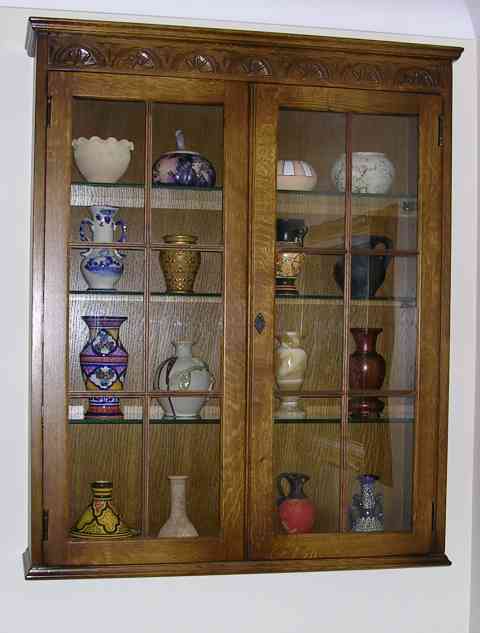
[368, 271]
[366, 371]
[291, 230]
[296, 511]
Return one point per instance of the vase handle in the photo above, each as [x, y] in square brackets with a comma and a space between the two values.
[375, 240]
[123, 230]
[84, 223]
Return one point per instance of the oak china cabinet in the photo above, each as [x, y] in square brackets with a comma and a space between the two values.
[240, 301]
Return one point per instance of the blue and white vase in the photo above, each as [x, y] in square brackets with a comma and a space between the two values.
[102, 267]
[104, 363]
[103, 225]
[184, 168]
[366, 513]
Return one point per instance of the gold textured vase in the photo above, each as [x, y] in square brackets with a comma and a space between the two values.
[288, 266]
[180, 265]
[100, 519]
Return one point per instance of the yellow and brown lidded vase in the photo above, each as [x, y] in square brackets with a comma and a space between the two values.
[180, 265]
[100, 519]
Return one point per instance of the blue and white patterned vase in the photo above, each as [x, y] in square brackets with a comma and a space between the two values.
[102, 267]
[104, 363]
[103, 225]
[366, 513]
[183, 168]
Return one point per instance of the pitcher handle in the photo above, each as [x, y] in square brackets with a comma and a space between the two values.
[123, 230]
[375, 240]
[281, 493]
[85, 222]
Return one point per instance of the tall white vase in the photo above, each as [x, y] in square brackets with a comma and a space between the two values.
[178, 524]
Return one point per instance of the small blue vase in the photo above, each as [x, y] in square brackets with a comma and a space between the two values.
[366, 513]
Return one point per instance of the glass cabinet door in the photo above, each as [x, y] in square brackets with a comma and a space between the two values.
[145, 319]
[346, 223]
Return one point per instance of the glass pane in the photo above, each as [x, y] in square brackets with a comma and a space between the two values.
[312, 312]
[185, 464]
[384, 181]
[187, 172]
[106, 467]
[306, 460]
[108, 171]
[106, 342]
[310, 208]
[383, 332]
[380, 482]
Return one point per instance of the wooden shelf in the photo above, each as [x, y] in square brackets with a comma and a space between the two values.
[93, 421]
[326, 420]
[211, 199]
[132, 296]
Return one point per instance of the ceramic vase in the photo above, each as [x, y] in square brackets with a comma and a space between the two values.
[102, 225]
[372, 172]
[184, 168]
[104, 363]
[102, 160]
[366, 513]
[102, 267]
[290, 408]
[366, 371]
[183, 372]
[178, 525]
[295, 510]
[291, 230]
[288, 265]
[295, 175]
[180, 265]
[100, 519]
[368, 271]
[290, 362]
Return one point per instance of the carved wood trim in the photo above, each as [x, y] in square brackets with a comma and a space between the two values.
[245, 63]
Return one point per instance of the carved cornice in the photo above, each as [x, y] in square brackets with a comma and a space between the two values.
[246, 63]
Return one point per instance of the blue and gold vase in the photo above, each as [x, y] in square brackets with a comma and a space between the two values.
[104, 363]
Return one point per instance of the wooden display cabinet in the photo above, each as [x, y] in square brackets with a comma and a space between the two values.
[244, 101]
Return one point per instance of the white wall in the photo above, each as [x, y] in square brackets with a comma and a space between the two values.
[417, 601]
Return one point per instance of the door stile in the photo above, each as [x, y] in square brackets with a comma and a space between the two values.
[264, 158]
[56, 318]
[235, 209]
[429, 330]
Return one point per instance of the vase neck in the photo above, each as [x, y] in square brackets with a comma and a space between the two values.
[183, 349]
[177, 495]
[365, 338]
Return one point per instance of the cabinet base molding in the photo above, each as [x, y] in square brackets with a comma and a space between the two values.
[40, 572]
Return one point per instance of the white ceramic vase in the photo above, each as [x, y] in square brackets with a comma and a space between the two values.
[178, 525]
[290, 362]
[102, 160]
[372, 172]
[183, 372]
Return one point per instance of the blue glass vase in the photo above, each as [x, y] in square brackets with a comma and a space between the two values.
[366, 512]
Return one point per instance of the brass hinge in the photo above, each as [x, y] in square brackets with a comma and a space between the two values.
[49, 111]
[440, 130]
[434, 516]
[45, 525]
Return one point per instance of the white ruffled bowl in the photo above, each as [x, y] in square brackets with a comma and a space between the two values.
[102, 160]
